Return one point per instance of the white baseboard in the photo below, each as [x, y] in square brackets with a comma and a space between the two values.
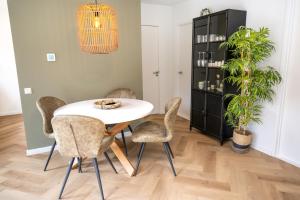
[263, 150]
[30, 152]
[184, 116]
[10, 113]
[288, 160]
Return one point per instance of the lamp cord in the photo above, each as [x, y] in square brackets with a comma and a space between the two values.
[96, 3]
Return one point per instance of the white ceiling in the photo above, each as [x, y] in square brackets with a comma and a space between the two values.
[162, 2]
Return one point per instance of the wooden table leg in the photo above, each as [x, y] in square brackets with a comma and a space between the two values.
[122, 158]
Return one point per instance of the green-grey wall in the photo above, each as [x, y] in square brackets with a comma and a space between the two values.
[41, 26]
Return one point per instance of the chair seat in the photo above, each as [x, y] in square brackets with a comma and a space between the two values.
[105, 144]
[150, 131]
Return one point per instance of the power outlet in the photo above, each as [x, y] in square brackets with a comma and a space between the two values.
[27, 91]
[51, 57]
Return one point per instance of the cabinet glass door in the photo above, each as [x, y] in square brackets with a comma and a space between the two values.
[217, 55]
[201, 30]
[200, 56]
[217, 28]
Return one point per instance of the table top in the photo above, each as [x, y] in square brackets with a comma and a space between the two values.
[130, 109]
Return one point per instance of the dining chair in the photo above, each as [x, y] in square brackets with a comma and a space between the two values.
[153, 132]
[81, 137]
[123, 93]
[46, 106]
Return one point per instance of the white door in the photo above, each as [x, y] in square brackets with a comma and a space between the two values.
[184, 57]
[150, 64]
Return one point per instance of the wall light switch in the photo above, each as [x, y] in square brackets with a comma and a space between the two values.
[27, 91]
[51, 57]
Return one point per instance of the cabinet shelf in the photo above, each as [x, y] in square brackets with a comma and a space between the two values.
[199, 43]
[220, 41]
[215, 92]
[204, 68]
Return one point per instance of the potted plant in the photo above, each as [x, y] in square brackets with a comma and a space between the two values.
[255, 82]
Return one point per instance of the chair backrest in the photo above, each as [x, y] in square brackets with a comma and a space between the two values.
[47, 105]
[78, 136]
[122, 93]
[171, 110]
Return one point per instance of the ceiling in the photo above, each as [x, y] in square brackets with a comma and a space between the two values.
[162, 2]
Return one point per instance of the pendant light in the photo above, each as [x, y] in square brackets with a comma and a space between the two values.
[97, 28]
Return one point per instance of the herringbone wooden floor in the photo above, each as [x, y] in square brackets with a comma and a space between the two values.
[205, 171]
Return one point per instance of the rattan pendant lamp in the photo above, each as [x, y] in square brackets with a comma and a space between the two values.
[97, 28]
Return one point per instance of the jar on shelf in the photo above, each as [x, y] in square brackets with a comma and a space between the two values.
[204, 38]
[201, 85]
[202, 61]
[211, 62]
[199, 38]
[212, 37]
[218, 81]
[212, 87]
[199, 59]
[208, 85]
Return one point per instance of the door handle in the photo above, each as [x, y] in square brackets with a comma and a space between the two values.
[156, 73]
[180, 72]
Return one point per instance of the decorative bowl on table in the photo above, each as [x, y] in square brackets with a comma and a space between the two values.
[107, 104]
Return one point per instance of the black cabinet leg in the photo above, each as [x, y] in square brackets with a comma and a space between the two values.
[169, 158]
[221, 142]
[50, 155]
[95, 162]
[66, 177]
[111, 164]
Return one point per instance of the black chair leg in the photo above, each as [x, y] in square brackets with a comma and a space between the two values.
[170, 150]
[130, 128]
[124, 142]
[66, 177]
[111, 164]
[140, 154]
[49, 157]
[169, 158]
[79, 164]
[95, 162]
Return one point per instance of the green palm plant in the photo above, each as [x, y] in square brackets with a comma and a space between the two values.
[255, 83]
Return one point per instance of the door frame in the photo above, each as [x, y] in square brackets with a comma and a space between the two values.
[158, 64]
[177, 63]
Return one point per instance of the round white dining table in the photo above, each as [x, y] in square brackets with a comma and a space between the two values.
[130, 110]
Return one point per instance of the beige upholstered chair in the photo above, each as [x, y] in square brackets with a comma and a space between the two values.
[47, 105]
[123, 93]
[150, 131]
[78, 137]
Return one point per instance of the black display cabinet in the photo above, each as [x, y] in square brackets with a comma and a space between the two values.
[208, 103]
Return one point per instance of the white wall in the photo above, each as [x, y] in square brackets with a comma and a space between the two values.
[161, 16]
[274, 15]
[9, 89]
